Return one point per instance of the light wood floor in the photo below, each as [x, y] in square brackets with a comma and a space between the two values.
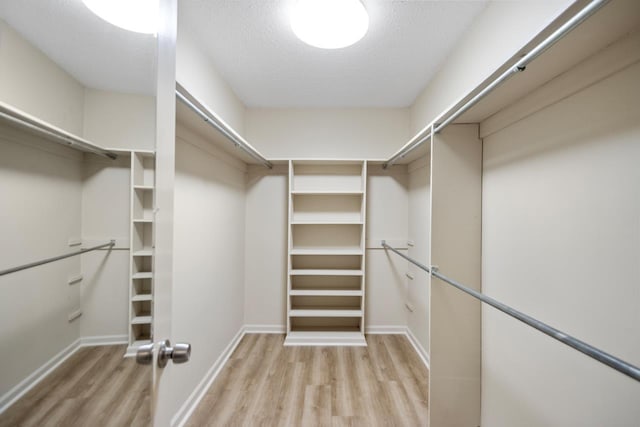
[266, 384]
[94, 387]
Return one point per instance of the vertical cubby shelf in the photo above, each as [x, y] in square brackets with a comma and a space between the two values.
[141, 244]
[326, 259]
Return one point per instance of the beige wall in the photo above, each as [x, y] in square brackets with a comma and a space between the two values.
[357, 133]
[105, 216]
[419, 214]
[31, 82]
[119, 120]
[561, 242]
[266, 247]
[208, 298]
[54, 194]
[496, 35]
[196, 72]
[41, 188]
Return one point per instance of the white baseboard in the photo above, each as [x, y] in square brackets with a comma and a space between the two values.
[265, 329]
[20, 389]
[187, 408]
[103, 340]
[382, 330]
[424, 355]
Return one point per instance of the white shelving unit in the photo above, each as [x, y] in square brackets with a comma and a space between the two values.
[141, 244]
[326, 259]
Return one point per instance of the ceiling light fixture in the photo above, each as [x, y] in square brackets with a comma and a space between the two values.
[329, 24]
[140, 16]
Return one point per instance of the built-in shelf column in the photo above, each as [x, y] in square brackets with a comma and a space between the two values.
[141, 263]
[326, 259]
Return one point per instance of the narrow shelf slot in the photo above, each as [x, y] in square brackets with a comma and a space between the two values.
[142, 239]
[141, 288]
[143, 169]
[324, 262]
[142, 204]
[141, 265]
[140, 333]
[336, 283]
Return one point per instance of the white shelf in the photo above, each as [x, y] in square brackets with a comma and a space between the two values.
[328, 192]
[325, 312]
[143, 187]
[326, 272]
[326, 222]
[141, 320]
[141, 297]
[325, 338]
[143, 221]
[145, 275]
[325, 293]
[143, 252]
[327, 251]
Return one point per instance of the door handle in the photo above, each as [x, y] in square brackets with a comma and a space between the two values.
[144, 354]
[179, 353]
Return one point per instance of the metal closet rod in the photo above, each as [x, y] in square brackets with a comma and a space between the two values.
[448, 117]
[591, 351]
[62, 138]
[213, 120]
[56, 258]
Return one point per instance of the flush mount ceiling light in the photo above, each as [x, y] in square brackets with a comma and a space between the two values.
[329, 24]
[140, 16]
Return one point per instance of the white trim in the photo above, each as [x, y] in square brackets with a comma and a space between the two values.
[187, 408]
[424, 355]
[265, 329]
[103, 340]
[386, 330]
[20, 389]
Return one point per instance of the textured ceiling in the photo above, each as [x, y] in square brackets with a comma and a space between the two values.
[97, 54]
[253, 47]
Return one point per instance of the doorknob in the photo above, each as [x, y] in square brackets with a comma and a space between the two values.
[144, 354]
[179, 353]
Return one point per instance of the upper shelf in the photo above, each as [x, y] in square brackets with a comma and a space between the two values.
[610, 23]
[23, 120]
[195, 115]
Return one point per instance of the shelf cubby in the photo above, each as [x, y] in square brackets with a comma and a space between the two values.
[310, 176]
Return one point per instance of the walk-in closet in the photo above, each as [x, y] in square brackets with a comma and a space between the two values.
[212, 216]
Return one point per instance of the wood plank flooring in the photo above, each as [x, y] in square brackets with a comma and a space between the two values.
[266, 384]
[262, 384]
[94, 387]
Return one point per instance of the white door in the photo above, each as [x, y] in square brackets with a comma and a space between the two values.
[162, 406]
